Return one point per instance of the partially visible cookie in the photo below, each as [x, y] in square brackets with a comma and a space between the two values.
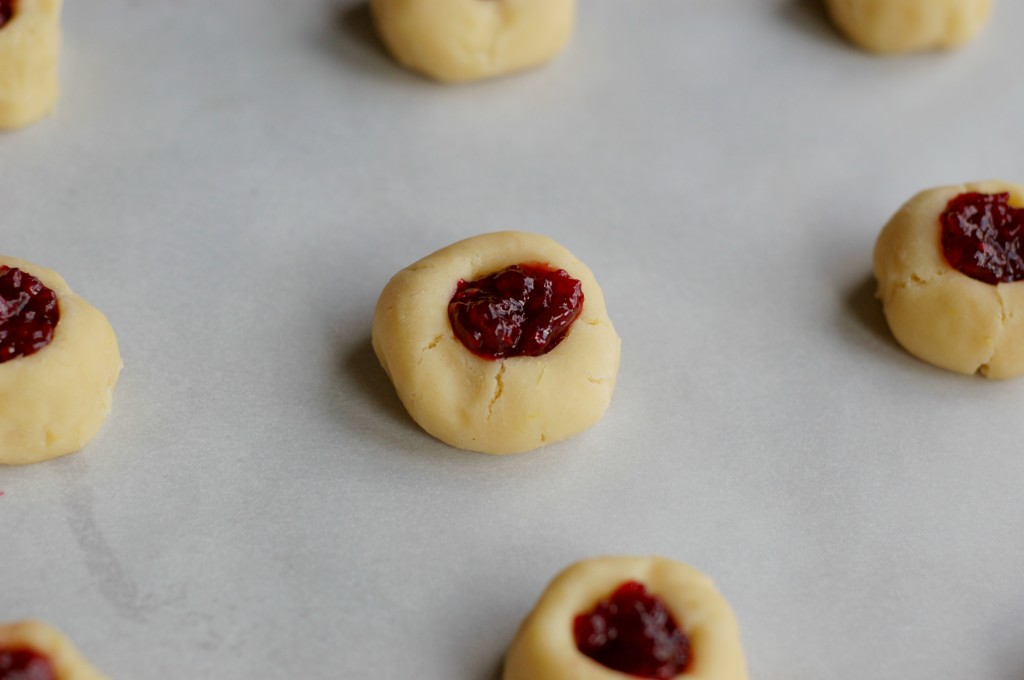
[949, 268]
[614, 618]
[59, 362]
[29, 55]
[460, 40]
[492, 356]
[33, 650]
[892, 26]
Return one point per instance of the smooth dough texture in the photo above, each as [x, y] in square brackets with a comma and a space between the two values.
[53, 402]
[460, 40]
[503, 406]
[67, 662]
[29, 56]
[937, 313]
[893, 26]
[545, 647]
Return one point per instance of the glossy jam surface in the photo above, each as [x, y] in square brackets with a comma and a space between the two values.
[633, 632]
[24, 664]
[983, 237]
[28, 314]
[6, 11]
[523, 310]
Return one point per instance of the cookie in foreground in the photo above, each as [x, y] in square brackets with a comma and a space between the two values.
[29, 55]
[59, 362]
[33, 650]
[895, 26]
[462, 40]
[950, 272]
[614, 618]
[500, 343]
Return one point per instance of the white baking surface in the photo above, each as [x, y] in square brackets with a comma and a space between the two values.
[234, 182]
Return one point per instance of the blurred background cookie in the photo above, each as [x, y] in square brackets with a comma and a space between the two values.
[459, 40]
[892, 26]
[29, 55]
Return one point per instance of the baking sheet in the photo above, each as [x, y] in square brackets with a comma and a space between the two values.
[234, 184]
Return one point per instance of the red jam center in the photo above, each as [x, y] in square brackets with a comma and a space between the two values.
[6, 11]
[28, 314]
[982, 237]
[523, 310]
[633, 632]
[24, 664]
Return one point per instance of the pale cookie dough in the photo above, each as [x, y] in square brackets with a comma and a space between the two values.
[892, 26]
[53, 402]
[29, 55]
[545, 646]
[45, 640]
[502, 406]
[937, 313]
[459, 40]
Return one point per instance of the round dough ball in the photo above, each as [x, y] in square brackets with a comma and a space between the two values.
[545, 646]
[892, 26]
[502, 406]
[53, 402]
[45, 640]
[460, 40]
[937, 313]
[29, 56]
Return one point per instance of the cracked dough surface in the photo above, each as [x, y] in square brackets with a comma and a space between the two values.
[29, 56]
[892, 26]
[53, 402]
[545, 647]
[937, 313]
[44, 639]
[504, 406]
[460, 40]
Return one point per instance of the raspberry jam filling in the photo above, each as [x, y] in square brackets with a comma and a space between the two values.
[633, 632]
[522, 310]
[6, 11]
[982, 237]
[24, 664]
[28, 314]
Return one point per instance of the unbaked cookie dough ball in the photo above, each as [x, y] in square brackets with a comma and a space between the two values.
[459, 40]
[499, 343]
[950, 271]
[29, 55]
[33, 650]
[614, 618]
[892, 26]
[59, 362]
